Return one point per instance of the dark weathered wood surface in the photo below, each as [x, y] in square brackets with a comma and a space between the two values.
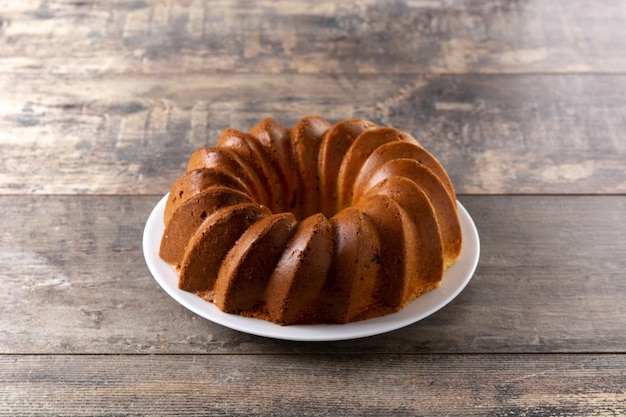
[101, 103]
[399, 385]
[495, 134]
[545, 283]
[366, 37]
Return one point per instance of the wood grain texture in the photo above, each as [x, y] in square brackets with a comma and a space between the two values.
[102, 102]
[365, 37]
[550, 279]
[133, 135]
[391, 385]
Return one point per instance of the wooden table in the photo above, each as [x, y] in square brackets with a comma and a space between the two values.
[101, 103]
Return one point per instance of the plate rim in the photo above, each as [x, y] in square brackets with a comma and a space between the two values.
[425, 305]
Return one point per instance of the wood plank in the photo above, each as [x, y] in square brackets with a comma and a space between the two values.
[550, 279]
[365, 37]
[394, 385]
[133, 135]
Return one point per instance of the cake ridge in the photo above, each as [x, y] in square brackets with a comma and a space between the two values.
[246, 269]
[246, 147]
[195, 181]
[227, 159]
[211, 243]
[358, 153]
[335, 144]
[189, 216]
[276, 140]
[307, 137]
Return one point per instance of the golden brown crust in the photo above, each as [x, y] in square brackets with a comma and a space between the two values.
[300, 273]
[246, 270]
[445, 208]
[212, 241]
[423, 260]
[357, 155]
[307, 137]
[191, 214]
[276, 141]
[194, 182]
[227, 160]
[319, 223]
[349, 289]
[248, 149]
[400, 149]
[335, 144]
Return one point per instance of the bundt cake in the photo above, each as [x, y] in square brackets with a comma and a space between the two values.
[319, 223]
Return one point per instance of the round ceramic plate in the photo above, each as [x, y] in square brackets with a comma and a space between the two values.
[455, 279]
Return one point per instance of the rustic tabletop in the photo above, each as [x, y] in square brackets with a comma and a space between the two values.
[102, 102]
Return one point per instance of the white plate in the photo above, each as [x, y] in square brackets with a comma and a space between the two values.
[455, 279]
